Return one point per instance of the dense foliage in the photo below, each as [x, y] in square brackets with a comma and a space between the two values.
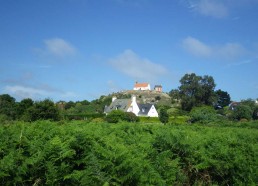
[242, 112]
[223, 98]
[118, 115]
[196, 91]
[163, 115]
[48, 153]
[204, 114]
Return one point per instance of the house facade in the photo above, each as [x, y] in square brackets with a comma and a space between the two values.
[130, 105]
[158, 88]
[141, 86]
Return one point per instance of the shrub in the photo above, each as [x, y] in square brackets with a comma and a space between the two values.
[130, 117]
[157, 98]
[204, 114]
[255, 113]
[114, 116]
[3, 119]
[97, 120]
[179, 119]
[149, 119]
[163, 115]
[242, 112]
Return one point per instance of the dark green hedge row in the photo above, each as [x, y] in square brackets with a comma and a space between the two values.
[79, 153]
[83, 116]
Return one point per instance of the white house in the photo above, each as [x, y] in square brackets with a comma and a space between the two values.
[141, 86]
[130, 105]
[147, 110]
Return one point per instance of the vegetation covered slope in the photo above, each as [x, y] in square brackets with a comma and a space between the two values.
[146, 96]
[79, 153]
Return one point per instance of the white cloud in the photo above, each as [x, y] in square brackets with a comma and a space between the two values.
[225, 51]
[240, 63]
[196, 47]
[218, 8]
[136, 67]
[21, 92]
[231, 50]
[59, 47]
[212, 8]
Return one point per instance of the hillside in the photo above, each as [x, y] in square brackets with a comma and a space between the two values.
[146, 96]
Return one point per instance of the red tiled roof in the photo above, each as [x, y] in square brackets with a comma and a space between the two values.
[137, 85]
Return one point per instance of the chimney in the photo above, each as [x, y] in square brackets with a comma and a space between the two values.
[133, 98]
[114, 98]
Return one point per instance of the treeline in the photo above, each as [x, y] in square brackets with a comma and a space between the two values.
[197, 97]
[30, 110]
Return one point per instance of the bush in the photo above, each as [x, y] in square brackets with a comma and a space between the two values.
[149, 119]
[204, 114]
[115, 116]
[242, 112]
[3, 119]
[157, 98]
[255, 113]
[179, 119]
[163, 116]
[130, 117]
[84, 116]
[97, 120]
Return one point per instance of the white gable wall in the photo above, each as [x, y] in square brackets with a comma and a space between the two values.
[153, 112]
[134, 107]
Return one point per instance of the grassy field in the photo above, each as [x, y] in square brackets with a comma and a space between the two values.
[81, 153]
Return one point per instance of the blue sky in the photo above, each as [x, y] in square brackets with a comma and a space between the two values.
[81, 49]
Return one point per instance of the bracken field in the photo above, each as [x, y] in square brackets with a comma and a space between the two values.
[82, 153]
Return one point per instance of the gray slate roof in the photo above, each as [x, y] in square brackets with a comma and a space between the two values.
[119, 104]
[123, 104]
[144, 109]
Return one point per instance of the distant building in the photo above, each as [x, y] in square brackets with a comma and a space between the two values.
[158, 88]
[130, 105]
[233, 105]
[141, 86]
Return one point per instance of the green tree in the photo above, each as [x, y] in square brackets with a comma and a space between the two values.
[196, 91]
[85, 102]
[255, 113]
[7, 106]
[254, 107]
[44, 110]
[69, 105]
[175, 96]
[249, 102]
[242, 112]
[223, 98]
[163, 115]
[23, 106]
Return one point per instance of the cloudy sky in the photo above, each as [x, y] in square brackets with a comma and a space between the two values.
[81, 49]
